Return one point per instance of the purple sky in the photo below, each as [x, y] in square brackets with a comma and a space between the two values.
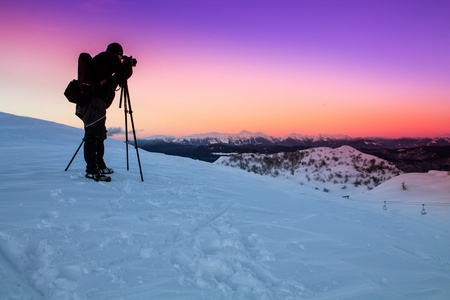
[353, 67]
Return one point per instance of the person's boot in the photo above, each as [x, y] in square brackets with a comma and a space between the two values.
[93, 173]
[98, 177]
[105, 171]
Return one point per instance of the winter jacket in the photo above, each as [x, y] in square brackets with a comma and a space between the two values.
[109, 73]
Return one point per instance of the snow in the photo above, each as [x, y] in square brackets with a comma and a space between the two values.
[343, 170]
[194, 230]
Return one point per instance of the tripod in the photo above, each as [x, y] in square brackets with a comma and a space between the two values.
[125, 96]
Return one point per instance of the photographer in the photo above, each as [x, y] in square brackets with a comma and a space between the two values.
[109, 72]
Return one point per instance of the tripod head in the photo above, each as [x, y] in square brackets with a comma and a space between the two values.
[128, 62]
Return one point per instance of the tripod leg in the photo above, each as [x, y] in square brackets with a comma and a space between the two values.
[125, 109]
[79, 147]
[127, 96]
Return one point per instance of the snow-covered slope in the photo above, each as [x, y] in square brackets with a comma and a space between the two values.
[342, 171]
[414, 191]
[195, 230]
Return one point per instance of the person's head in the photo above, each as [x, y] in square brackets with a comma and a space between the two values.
[115, 48]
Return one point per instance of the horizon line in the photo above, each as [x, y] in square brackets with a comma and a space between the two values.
[291, 134]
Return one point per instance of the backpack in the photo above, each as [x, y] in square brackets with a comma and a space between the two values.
[81, 90]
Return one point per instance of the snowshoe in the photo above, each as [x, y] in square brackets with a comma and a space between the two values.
[98, 177]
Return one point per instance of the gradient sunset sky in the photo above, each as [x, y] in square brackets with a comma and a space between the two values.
[355, 67]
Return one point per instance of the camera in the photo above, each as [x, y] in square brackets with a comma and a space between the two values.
[130, 60]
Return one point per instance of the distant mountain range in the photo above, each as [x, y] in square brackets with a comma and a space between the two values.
[246, 138]
[408, 154]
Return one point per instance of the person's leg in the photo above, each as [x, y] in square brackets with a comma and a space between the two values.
[103, 169]
[90, 153]
[100, 147]
[94, 149]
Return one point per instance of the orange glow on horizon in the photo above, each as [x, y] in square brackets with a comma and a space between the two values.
[188, 82]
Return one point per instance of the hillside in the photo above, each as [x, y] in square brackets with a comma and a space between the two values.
[341, 171]
[417, 159]
[194, 230]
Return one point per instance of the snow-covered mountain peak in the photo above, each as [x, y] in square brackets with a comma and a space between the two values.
[328, 137]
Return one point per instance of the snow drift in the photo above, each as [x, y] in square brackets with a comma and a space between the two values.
[195, 230]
